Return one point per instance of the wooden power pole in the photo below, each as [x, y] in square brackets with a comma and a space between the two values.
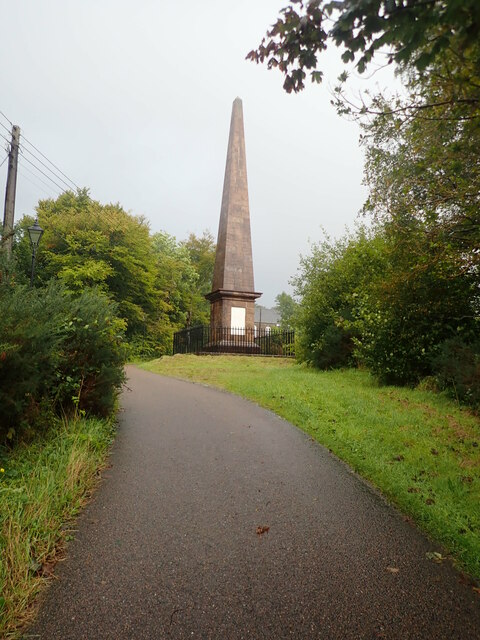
[9, 211]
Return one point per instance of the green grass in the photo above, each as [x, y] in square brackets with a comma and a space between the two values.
[419, 448]
[42, 487]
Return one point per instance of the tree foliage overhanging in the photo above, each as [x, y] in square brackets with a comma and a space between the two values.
[407, 32]
[403, 296]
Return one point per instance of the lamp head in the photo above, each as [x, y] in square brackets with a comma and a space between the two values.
[35, 232]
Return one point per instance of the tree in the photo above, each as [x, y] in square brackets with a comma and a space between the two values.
[201, 251]
[388, 297]
[423, 176]
[418, 302]
[333, 284]
[157, 283]
[286, 307]
[89, 244]
[427, 166]
[176, 278]
[409, 32]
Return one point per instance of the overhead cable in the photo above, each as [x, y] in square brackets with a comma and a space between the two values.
[25, 177]
[22, 149]
[8, 119]
[45, 174]
[36, 176]
[26, 140]
[6, 128]
[53, 165]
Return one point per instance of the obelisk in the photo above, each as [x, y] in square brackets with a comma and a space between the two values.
[233, 293]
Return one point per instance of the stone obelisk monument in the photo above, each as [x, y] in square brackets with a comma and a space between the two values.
[233, 293]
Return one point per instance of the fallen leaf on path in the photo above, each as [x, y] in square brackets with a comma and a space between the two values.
[393, 569]
[262, 530]
[435, 556]
[172, 614]
[47, 568]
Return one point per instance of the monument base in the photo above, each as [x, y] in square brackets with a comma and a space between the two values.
[232, 346]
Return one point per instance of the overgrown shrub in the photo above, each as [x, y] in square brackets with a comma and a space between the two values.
[147, 346]
[334, 348]
[332, 284]
[93, 354]
[30, 348]
[457, 369]
[58, 353]
[396, 345]
[423, 298]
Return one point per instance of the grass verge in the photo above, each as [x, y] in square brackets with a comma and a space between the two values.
[42, 487]
[419, 448]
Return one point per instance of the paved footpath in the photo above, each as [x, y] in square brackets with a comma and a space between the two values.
[169, 546]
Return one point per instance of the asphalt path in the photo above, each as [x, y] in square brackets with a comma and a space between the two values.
[171, 545]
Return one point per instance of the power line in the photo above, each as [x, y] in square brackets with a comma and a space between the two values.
[25, 177]
[24, 139]
[53, 165]
[22, 149]
[3, 161]
[8, 119]
[35, 175]
[5, 138]
[45, 174]
[6, 128]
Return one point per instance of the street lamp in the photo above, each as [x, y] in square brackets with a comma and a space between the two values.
[35, 232]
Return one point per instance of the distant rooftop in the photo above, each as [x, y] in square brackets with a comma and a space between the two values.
[269, 316]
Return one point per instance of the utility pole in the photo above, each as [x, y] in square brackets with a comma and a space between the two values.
[9, 211]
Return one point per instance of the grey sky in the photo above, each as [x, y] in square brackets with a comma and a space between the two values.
[133, 98]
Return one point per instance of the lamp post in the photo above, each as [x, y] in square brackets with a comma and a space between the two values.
[35, 232]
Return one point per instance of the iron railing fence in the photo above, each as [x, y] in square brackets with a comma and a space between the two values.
[264, 342]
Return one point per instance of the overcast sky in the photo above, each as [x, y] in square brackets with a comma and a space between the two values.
[132, 98]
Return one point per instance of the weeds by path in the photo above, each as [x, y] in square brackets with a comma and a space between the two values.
[42, 487]
[419, 448]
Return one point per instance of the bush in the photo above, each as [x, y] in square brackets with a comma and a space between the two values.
[58, 353]
[91, 367]
[155, 342]
[407, 320]
[333, 349]
[397, 344]
[457, 369]
[30, 346]
[332, 284]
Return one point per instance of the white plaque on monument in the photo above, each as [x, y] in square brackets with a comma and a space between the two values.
[238, 321]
